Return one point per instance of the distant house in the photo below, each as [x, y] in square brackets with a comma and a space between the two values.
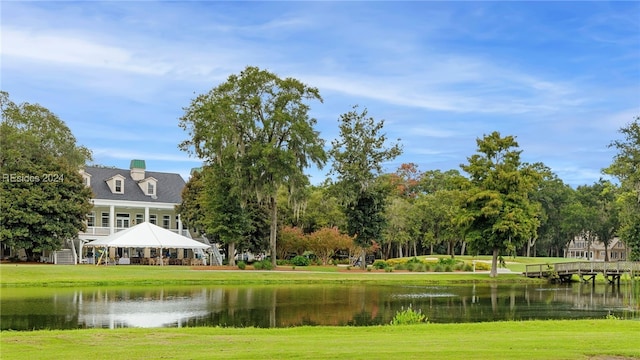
[579, 248]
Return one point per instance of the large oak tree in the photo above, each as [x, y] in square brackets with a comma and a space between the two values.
[258, 125]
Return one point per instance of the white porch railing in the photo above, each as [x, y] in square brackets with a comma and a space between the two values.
[105, 231]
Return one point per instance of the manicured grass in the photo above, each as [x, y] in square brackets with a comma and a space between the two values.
[530, 340]
[12, 275]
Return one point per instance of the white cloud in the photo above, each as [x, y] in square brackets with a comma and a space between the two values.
[72, 50]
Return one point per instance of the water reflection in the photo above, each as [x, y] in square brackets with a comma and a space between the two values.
[278, 306]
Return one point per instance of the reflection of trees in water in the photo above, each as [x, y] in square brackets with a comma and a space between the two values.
[284, 306]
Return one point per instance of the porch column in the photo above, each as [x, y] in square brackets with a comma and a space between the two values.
[146, 213]
[179, 225]
[112, 219]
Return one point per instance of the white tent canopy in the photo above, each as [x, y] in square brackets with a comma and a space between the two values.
[147, 235]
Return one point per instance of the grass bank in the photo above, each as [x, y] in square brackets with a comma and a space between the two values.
[577, 339]
[35, 275]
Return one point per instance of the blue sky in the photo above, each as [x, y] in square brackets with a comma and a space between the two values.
[562, 77]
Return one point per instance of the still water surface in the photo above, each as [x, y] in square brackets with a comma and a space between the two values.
[295, 305]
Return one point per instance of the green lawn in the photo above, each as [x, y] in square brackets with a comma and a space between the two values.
[12, 275]
[530, 340]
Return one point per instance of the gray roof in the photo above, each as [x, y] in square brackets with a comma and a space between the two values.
[168, 189]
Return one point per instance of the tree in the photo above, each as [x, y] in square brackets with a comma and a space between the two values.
[358, 157]
[552, 195]
[626, 167]
[326, 241]
[601, 220]
[43, 200]
[226, 215]
[291, 241]
[441, 204]
[257, 123]
[191, 209]
[398, 229]
[502, 215]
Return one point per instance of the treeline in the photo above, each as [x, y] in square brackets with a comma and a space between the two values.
[256, 138]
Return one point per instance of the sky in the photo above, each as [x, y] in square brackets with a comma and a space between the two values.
[562, 77]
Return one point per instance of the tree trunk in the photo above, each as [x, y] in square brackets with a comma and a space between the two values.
[606, 253]
[494, 263]
[530, 243]
[400, 250]
[415, 248]
[274, 230]
[232, 254]
[464, 246]
[363, 263]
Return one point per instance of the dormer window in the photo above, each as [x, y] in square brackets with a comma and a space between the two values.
[149, 186]
[116, 184]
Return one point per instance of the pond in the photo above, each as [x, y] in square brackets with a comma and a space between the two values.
[297, 305]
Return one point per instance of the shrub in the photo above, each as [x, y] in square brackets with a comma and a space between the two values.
[300, 261]
[409, 317]
[438, 268]
[448, 268]
[263, 265]
[411, 266]
[422, 267]
[468, 267]
[241, 265]
[388, 269]
[380, 264]
[447, 261]
[480, 265]
[414, 260]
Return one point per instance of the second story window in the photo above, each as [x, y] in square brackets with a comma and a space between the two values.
[118, 186]
[91, 219]
[150, 189]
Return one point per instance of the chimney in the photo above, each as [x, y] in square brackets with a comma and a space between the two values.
[137, 169]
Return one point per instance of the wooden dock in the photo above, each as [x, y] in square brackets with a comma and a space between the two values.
[586, 270]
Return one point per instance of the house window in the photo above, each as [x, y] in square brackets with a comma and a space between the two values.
[122, 220]
[91, 219]
[166, 221]
[118, 186]
[150, 188]
[139, 218]
[153, 218]
[105, 219]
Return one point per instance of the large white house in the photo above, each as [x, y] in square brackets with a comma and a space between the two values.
[123, 198]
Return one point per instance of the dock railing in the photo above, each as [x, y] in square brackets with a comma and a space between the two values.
[584, 267]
